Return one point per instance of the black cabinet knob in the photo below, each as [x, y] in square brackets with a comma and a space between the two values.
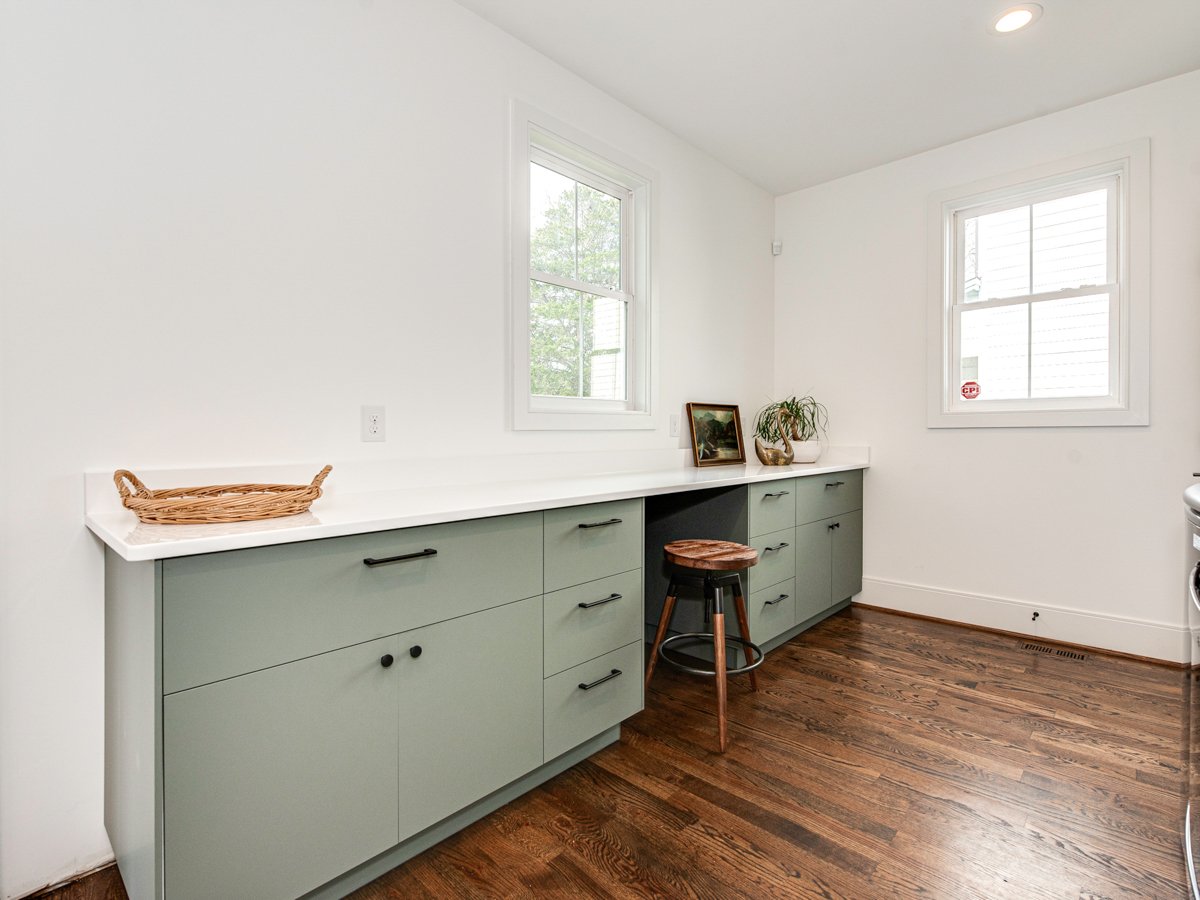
[386, 660]
[414, 652]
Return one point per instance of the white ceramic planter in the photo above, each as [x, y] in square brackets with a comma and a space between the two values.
[806, 451]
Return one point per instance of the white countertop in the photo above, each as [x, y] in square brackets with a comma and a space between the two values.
[341, 512]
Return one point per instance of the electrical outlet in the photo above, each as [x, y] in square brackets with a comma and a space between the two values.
[674, 424]
[373, 423]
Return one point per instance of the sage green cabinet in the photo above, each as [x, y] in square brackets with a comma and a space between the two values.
[828, 563]
[847, 554]
[470, 709]
[280, 780]
[808, 534]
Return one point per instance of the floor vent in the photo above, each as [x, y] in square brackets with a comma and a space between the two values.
[1050, 651]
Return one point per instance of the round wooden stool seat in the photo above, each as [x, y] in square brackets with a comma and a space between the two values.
[714, 556]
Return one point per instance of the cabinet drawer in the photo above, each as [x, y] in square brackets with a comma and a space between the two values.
[822, 496]
[776, 559]
[573, 714]
[772, 611]
[584, 622]
[584, 543]
[772, 506]
[226, 614]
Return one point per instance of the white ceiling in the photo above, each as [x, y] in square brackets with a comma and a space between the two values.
[791, 93]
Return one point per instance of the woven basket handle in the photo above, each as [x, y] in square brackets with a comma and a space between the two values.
[316, 482]
[121, 476]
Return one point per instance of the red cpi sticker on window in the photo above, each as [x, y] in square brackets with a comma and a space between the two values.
[970, 390]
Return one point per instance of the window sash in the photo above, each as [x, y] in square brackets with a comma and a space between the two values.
[1111, 182]
[550, 160]
[1109, 400]
[623, 402]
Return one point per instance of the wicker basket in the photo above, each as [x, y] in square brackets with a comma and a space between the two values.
[218, 503]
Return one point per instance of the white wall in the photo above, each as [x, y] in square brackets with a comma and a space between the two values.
[223, 227]
[987, 526]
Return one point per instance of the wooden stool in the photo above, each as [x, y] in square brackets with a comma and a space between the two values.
[715, 565]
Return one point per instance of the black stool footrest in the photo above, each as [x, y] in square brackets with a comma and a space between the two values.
[708, 637]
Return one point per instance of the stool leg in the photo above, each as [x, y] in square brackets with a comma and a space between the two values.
[718, 627]
[663, 621]
[739, 605]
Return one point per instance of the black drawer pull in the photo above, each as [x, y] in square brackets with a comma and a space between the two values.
[414, 652]
[834, 483]
[609, 677]
[778, 546]
[600, 602]
[370, 561]
[599, 524]
[386, 660]
[778, 599]
[835, 525]
[777, 494]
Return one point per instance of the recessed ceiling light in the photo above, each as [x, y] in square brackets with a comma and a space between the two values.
[1015, 18]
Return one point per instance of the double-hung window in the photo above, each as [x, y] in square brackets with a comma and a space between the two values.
[580, 286]
[1039, 320]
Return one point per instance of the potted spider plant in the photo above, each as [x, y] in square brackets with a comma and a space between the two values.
[797, 423]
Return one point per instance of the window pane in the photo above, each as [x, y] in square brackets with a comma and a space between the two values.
[995, 351]
[605, 347]
[551, 222]
[577, 343]
[1070, 242]
[599, 230]
[1070, 347]
[996, 255]
[554, 345]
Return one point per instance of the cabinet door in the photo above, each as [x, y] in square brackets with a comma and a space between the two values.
[847, 556]
[470, 710]
[280, 780]
[813, 569]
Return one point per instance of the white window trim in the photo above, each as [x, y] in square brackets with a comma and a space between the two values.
[1129, 402]
[636, 181]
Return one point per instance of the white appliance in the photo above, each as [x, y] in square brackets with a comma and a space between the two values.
[1191, 820]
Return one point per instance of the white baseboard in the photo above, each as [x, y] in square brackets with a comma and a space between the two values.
[1155, 640]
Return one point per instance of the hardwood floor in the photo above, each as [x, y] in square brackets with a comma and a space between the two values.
[882, 756]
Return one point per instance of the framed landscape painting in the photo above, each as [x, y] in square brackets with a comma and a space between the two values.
[716, 434]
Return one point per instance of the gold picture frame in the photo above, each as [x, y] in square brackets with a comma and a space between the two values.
[716, 434]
